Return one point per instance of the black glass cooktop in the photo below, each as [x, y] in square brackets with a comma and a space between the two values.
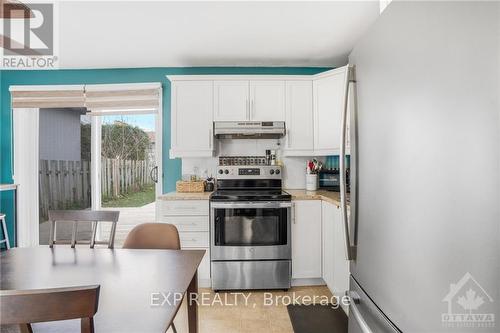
[250, 195]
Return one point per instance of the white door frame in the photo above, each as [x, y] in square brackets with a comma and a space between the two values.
[25, 173]
[25, 134]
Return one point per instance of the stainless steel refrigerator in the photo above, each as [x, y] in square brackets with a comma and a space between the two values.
[425, 170]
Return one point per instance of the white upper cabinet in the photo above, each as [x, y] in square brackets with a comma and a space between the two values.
[192, 112]
[299, 140]
[231, 100]
[329, 94]
[239, 100]
[267, 100]
[306, 239]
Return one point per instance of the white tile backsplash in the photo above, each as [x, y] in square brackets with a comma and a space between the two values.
[294, 168]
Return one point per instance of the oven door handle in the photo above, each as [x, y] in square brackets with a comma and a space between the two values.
[253, 204]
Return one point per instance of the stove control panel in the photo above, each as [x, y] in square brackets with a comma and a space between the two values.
[249, 172]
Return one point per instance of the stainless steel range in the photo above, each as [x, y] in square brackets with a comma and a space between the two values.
[250, 226]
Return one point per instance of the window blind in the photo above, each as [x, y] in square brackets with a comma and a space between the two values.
[109, 99]
[47, 96]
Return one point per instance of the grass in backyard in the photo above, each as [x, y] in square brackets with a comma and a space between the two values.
[132, 199]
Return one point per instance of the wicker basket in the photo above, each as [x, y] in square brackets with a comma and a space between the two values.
[189, 187]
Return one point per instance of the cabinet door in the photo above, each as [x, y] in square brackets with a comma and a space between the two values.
[231, 100]
[267, 100]
[306, 239]
[328, 220]
[299, 140]
[192, 112]
[329, 95]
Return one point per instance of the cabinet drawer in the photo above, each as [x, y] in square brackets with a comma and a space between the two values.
[183, 207]
[187, 223]
[193, 239]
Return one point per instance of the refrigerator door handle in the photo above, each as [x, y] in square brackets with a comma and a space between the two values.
[356, 313]
[350, 249]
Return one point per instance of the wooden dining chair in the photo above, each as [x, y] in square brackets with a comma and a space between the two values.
[24, 307]
[86, 216]
[153, 236]
[162, 236]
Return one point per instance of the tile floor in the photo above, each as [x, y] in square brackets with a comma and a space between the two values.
[250, 316]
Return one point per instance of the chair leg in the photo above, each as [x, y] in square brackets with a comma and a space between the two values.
[87, 325]
[25, 328]
[173, 328]
[52, 233]
[111, 243]
[94, 231]
[74, 233]
[5, 233]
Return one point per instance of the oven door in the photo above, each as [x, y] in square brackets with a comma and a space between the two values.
[250, 230]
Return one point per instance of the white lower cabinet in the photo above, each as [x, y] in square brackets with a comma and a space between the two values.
[335, 264]
[192, 221]
[306, 239]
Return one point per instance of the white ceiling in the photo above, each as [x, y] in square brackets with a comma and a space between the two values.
[174, 34]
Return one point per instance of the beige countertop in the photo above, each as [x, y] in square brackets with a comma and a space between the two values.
[328, 196]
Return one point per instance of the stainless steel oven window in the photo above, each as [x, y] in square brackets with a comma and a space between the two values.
[250, 226]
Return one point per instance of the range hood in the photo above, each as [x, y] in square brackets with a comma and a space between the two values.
[249, 129]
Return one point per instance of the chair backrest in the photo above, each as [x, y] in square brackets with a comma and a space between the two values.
[24, 307]
[88, 216]
[153, 236]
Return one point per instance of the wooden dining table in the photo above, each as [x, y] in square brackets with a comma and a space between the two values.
[134, 283]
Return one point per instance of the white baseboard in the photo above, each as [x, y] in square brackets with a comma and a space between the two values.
[308, 282]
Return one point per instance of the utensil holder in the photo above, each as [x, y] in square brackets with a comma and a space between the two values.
[311, 182]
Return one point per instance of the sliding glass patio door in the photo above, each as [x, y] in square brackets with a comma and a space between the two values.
[64, 167]
[128, 170]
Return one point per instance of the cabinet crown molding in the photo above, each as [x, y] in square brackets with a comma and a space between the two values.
[250, 77]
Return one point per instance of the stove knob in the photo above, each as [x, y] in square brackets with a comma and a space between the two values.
[226, 171]
[271, 172]
[220, 171]
[278, 171]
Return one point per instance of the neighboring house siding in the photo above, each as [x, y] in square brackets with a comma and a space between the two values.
[60, 134]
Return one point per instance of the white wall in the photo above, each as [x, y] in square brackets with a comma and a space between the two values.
[293, 167]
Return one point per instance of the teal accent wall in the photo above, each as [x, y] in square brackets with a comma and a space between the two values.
[171, 167]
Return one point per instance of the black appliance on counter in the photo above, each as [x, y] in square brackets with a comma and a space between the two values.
[329, 179]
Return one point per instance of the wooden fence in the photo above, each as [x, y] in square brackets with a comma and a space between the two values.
[66, 184]
[122, 176]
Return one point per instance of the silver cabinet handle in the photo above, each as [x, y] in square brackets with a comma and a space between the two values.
[350, 249]
[210, 138]
[288, 137]
[293, 213]
[356, 314]
[252, 109]
[249, 204]
[247, 105]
